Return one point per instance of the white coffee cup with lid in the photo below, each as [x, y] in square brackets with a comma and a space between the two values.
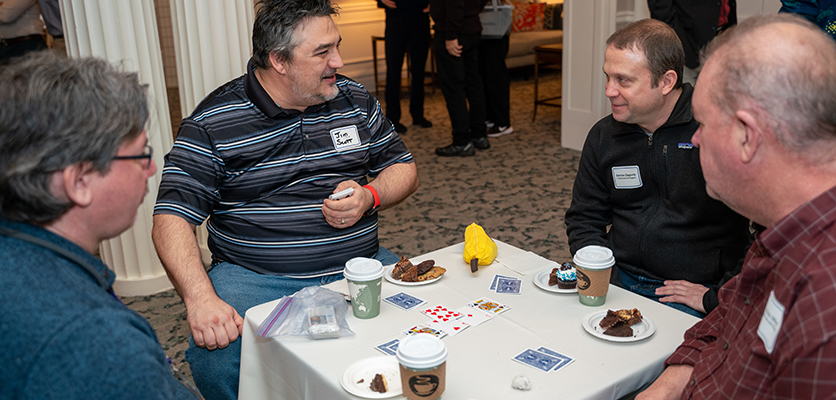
[423, 366]
[593, 265]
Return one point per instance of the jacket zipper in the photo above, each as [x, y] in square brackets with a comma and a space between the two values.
[656, 204]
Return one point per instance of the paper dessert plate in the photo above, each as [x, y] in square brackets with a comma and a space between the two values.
[387, 274]
[541, 279]
[641, 331]
[366, 369]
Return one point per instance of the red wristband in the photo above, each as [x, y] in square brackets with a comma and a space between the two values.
[376, 200]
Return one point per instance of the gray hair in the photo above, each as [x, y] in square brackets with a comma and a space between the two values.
[795, 95]
[275, 24]
[57, 112]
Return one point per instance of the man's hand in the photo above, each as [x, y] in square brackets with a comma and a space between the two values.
[346, 212]
[389, 3]
[214, 323]
[684, 292]
[453, 47]
[669, 385]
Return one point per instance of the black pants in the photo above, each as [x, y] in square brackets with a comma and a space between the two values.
[461, 84]
[9, 51]
[497, 83]
[410, 31]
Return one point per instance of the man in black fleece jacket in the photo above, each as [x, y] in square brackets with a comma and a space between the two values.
[456, 46]
[640, 176]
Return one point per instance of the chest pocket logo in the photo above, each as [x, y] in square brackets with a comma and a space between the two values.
[627, 177]
[345, 138]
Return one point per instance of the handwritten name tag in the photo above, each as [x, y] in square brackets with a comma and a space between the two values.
[627, 177]
[771, 321]
[345, 137]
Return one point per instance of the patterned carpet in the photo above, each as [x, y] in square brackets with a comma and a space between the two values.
[518, 190]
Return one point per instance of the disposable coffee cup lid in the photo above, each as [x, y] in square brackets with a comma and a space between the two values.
[594, 257]
[421, 351]
[363, 269]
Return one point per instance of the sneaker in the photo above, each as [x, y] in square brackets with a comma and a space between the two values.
[498, 131]
[399, 127]
[423, 122]
[481, 143]
[489, 124]
[455, 150]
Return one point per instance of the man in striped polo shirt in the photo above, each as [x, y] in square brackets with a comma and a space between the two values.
[258, 157]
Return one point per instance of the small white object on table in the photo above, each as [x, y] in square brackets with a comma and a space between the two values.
[479, 364]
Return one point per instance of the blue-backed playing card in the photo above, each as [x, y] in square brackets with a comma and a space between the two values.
[496, 278]
[535, 359]
[404, 301]
[565, 360]
[509, 286]
[389, 348]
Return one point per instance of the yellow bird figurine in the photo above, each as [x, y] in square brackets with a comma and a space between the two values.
[479, 248]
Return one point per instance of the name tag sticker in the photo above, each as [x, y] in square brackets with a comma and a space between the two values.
[773, 317]
[345, 137]
[627, 177]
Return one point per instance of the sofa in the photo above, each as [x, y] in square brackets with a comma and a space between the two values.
[535, 24]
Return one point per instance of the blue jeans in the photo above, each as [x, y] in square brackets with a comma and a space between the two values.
[647, 287]
[215, 372]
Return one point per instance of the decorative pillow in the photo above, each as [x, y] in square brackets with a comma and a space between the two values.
[528, 17]
[553, 17]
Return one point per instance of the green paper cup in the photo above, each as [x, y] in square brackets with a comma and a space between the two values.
[365, 277]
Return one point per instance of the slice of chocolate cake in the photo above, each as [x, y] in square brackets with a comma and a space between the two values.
[553, 277]
[609, 320]
[379, 384]
[620, 329]
[401, 267]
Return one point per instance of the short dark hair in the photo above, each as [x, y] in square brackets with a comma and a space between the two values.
[56, 112]
[275, 24]
[661, 47]
[794, 95]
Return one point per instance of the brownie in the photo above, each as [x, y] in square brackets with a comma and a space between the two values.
[553, 277]
[379, 384]
[609, 320]
[411, 274]
[620, 329]
[401, 267]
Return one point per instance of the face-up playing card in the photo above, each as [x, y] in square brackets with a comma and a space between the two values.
[473, 316]
[496, 278]
[404, 301]
[425, 329]
[486, 304]
[535, 359]
[565, 360]
[389, 348]
[452, 327]
[441, 313]
[508, 286]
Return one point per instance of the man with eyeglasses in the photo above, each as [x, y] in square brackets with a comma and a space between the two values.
[74, 166]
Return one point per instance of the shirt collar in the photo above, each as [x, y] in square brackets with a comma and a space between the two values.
[800, 224]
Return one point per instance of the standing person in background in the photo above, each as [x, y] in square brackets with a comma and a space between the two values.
[497, 84]
[407, 27]
[74, 168]
[51, 13]
[456, 46]
[696, 22]
[819, 12]
[21, 29]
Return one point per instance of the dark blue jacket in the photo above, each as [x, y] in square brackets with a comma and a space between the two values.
[65, 336]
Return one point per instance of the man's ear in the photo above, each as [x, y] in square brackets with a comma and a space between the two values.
[277, 64]
[77, 180]
[749, 135]
[667, 81]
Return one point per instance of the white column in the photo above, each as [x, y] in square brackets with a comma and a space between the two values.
[124, 32]
[212, 44]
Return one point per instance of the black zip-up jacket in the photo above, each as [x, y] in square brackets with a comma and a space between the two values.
[666, 229]
[456, 17]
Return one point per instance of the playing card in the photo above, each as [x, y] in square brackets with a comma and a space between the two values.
[565, 360]
[404, 301]
[473, 316]
[496, 278]
[441, 313]
[425, 329]
[535, 359]
[489, 305]
[508, 286]
[389, 348]
[452, 327]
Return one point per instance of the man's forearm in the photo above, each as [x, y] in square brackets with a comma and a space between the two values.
[176, 244]
[396, 183]
[669, 385]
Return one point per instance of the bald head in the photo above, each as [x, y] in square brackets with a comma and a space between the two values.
[782, 69]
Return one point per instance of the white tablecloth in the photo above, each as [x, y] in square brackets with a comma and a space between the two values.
[479, 364]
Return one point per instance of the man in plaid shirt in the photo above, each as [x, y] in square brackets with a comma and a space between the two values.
[766, 103]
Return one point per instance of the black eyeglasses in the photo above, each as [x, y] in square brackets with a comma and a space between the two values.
[149, 151]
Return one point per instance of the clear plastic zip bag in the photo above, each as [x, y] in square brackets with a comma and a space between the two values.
[315, 312]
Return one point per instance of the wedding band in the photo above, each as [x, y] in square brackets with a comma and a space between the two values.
[342, 221]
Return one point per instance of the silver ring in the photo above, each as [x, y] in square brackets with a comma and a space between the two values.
[342, 221]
